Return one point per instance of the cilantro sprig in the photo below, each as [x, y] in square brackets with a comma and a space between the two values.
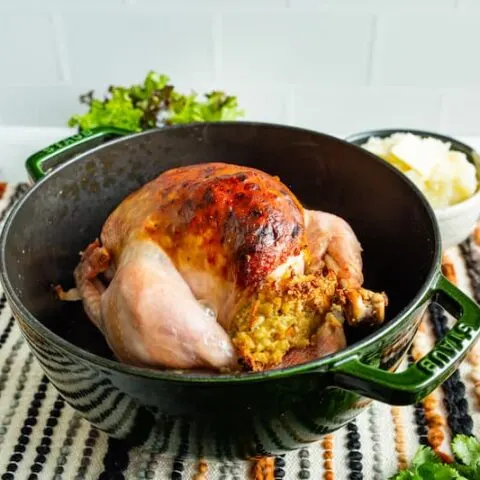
[154, 103]
[427, 465]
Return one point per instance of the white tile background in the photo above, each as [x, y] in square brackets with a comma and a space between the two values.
[333, 65]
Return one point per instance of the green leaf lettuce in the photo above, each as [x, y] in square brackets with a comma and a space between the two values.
[153, 104]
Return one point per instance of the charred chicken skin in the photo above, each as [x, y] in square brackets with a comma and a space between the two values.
[219, 266]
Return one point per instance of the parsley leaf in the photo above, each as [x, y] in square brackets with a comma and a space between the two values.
[427, 465]
[436, 471]
[466, 449]
[425, 455]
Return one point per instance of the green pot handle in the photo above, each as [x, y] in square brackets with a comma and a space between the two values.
[424, 376]
[44, 161]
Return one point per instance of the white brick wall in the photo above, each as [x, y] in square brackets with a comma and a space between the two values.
[334, 65]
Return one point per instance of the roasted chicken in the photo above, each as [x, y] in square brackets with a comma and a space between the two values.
[219, 266]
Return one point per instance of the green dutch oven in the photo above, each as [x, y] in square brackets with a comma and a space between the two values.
[80, 180]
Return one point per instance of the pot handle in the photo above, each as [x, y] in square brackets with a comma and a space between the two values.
[41, 163]
[424, 376]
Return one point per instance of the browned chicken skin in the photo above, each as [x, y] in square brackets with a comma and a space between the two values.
[218, 265]
[238, 222]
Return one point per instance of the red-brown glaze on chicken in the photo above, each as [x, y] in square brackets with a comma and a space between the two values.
[244, 222]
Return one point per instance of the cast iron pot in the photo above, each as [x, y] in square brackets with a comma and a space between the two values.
[223, 415]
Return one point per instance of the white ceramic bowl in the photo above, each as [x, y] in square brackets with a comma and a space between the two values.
[458, 221]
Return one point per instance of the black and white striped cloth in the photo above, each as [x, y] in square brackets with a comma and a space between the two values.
[43, 438]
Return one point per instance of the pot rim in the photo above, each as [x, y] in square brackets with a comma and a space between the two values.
[321, 364]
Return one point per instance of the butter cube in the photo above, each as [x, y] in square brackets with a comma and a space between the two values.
[465, 180]
[420, 154]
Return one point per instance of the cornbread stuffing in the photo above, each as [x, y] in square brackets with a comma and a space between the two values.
[282, 315]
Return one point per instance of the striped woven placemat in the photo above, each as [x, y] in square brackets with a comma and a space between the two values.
[43, 438]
